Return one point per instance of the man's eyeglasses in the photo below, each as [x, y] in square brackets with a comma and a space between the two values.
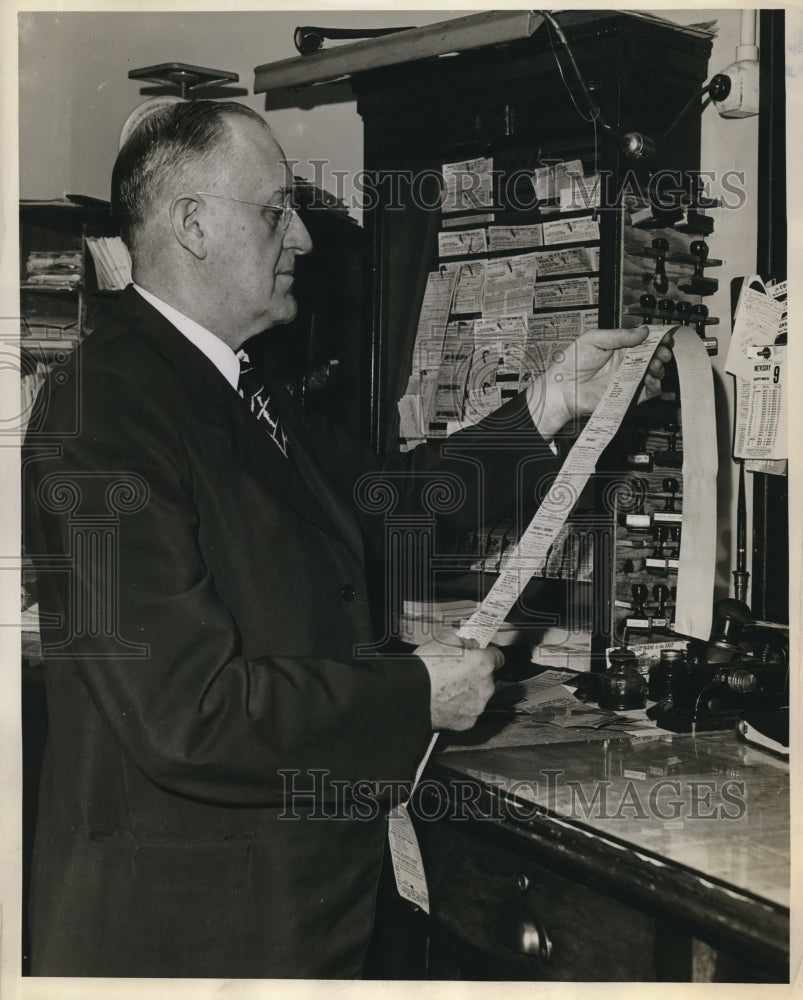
[285, 212]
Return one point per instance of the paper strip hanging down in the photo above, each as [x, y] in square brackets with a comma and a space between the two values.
[528, 556]
[697, 565]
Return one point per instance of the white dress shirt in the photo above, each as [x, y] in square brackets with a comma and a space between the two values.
[220, 354]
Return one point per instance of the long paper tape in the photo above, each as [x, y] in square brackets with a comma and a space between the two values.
[697, 557]
[527, 557]
[698, 549]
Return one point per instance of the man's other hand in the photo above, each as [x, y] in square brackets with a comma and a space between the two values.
[461, 679]
[573, 387]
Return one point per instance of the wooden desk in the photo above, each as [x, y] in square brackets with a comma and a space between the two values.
[608, 860]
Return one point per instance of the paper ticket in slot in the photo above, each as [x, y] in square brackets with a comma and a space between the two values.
[548, 325]
[509, 285]
[515, 237]
[548, 180]
[459, 242]
[436, 305]
[568, 292]
[470, 289]
[568, 260]
[467, 185]
[571, 230]
[580, 193]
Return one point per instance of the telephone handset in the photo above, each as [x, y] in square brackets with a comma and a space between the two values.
[744, 667]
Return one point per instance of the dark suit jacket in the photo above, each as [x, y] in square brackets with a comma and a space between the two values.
[201, 601]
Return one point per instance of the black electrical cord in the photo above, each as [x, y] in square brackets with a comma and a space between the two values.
[685, 110]
[594, 111]
[633, 144]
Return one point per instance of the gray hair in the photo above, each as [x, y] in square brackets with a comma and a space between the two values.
[161, 147]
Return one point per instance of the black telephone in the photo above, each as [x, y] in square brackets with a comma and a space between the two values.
[744, 667]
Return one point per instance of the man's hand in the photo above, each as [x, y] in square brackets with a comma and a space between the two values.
[574, 386]
[461, 679]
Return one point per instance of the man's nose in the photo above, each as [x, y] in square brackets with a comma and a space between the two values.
[297, 237]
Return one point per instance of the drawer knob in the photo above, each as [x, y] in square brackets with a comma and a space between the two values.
[524, 934]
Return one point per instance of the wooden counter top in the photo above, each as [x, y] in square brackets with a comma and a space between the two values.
[693, 829]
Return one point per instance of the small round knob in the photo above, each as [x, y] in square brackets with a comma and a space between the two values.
[524, 934]
[683, 309]
[639, 491]
[647, 303]
[670, 485]
[534, 940]
[699, 313]
[666, 308]
[720, 87]
[673, 428]
[699, 249]
[660, 282]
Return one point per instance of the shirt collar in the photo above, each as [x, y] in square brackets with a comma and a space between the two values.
[208, 343]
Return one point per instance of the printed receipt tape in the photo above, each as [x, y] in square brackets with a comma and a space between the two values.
[697, 556]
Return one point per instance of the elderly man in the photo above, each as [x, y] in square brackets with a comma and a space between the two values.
[202, 614]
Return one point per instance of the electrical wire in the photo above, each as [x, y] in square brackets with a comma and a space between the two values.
[595, 113]
[685, 110]
[592, 117]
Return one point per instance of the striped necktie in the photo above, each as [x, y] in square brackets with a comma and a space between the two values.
[251, 387]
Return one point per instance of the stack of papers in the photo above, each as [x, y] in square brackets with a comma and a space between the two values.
[57, 269]
[112, 263]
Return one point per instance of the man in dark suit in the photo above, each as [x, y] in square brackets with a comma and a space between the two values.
[203, 599]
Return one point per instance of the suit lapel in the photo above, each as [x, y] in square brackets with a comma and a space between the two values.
[253, 449]
[297, 482]
[318, 486]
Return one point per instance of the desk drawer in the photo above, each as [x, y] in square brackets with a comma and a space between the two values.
[522, 921]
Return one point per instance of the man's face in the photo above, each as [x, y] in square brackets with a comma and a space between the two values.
[252, 256]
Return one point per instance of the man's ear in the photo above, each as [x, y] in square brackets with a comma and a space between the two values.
[185, 218]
